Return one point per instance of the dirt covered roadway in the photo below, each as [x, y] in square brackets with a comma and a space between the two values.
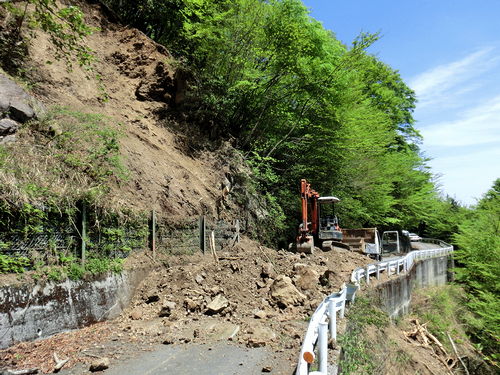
[251, 296]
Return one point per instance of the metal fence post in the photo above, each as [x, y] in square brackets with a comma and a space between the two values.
[83, 248]
[152, 233]
[202, 229]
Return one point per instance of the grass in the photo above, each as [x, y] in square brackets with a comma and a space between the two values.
[443, 309]
[357, 355]
[64, 157]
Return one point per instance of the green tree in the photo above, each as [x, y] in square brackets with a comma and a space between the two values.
[478, 269]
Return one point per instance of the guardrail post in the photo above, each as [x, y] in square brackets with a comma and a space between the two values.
[367, 274]
[323, 347]
[397, 268]
[332, 314]
[342, 308]
[378, 271]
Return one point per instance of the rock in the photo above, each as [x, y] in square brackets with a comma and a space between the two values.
[217, 305]
[99, 364]
[328, 278]
[284, 293]
[135, 314]
[8, 126]
[267, 369]
[306, 277]
[8, 139]
[166, 309]
[191, 305]
[260, 284]
[15, 102]
[199, 279]
[260, 336]
[260, 314]
[267, 271]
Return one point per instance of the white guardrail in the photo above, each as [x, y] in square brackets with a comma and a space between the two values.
[323, 322]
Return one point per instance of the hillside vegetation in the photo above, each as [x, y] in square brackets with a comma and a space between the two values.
[299, 104]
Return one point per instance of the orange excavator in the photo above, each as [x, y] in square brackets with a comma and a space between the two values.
[319, 226]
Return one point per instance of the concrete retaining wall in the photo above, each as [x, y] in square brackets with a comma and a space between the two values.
[28, 312]
[395, 295]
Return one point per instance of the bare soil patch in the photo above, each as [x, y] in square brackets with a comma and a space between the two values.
[177, 304]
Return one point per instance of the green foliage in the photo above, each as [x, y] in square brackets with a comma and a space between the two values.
[73, 269]
[358, 356]
[65, 157]
[96, 266]
[444, 311]
[65, 27]
[478, 269]
[301, 105]
[13, 264]
[87, 142]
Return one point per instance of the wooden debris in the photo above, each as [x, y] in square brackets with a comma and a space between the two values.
[456, 353]
[59, 363]
[425, 339]
[212, 247]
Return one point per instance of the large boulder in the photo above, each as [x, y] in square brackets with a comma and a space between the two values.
[15, 103]
[260, 335]
[284, 293]
[306, 277]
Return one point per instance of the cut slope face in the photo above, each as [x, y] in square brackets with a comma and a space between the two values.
[135, 86]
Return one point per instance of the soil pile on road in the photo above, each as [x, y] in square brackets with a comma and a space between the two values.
[250, 294]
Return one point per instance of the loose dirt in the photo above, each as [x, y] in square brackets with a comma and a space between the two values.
[134, 84]
[174, 306]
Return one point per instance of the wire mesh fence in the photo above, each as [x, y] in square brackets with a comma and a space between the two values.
[195, 235]
[90, 236]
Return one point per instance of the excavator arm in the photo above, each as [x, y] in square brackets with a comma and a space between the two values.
[309, 197]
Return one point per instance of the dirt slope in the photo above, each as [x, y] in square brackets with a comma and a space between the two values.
[135, 88]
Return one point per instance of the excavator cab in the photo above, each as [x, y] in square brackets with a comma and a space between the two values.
[329, 232]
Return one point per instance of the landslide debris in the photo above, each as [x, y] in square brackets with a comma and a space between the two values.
[254, 296]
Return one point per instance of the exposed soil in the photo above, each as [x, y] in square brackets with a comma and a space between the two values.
[175, 304]
[136, 87]
[172, 306]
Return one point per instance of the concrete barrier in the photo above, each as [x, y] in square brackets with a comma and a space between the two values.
[395, 294]
[28, 311]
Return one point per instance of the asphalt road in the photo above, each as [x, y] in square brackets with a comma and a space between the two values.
[215, 359]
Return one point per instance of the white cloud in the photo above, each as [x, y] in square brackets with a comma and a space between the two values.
[441, 85]
[479, 125]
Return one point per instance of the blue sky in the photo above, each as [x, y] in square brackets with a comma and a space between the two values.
[448, 51]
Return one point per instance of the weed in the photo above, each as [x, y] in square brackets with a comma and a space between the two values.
[13, 264]
[357, 355]
[442, 309]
